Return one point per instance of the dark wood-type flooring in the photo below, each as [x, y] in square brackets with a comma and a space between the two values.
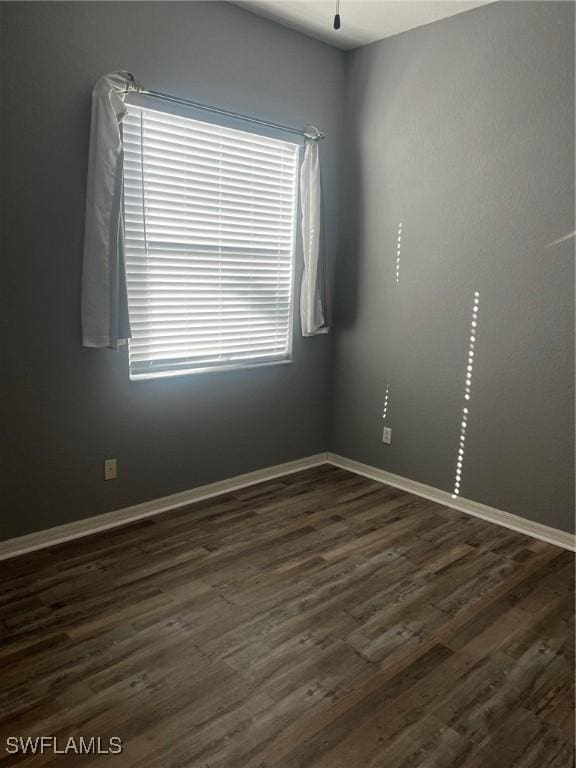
[320, 620]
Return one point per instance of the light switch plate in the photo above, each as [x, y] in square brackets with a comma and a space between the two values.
[387, 435]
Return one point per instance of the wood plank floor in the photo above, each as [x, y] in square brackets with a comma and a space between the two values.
[321, 620]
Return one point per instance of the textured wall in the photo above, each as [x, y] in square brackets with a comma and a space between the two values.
[65, 408]
[463, 131]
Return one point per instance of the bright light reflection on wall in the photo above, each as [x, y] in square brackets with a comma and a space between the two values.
[386, 401]
[467, 395]
[398, 247]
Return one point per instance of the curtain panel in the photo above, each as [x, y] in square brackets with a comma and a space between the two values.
[104, 304]
[312, 315]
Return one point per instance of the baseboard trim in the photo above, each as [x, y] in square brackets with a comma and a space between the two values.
[91, 525]
[491, 514]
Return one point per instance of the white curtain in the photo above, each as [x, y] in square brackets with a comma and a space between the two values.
[105, 321]
[311, 295]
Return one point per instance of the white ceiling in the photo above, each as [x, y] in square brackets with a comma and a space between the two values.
[363, 21]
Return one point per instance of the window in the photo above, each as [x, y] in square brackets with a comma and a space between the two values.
[210, 220]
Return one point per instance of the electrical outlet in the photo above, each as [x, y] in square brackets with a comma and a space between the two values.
[110, 469]
[387, 435]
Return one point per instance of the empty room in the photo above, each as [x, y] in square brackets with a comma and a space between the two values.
[288, 344]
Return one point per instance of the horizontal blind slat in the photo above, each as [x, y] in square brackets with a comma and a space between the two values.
[183, 156]
[208, 132]
[213, 195]
[208, 347]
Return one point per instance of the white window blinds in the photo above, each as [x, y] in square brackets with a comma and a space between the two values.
[210, 218]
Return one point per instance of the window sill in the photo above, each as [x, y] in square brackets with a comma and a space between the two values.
[209, 369]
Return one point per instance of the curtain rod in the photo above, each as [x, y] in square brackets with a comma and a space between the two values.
[310, 132]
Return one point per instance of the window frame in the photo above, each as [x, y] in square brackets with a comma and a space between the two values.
[252, 362]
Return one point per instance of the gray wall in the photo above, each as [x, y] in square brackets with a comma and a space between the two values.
[65, 408]
[464, 131]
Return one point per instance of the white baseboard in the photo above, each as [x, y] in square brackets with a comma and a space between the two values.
[99, 523]
[491, 514]
[61, 533]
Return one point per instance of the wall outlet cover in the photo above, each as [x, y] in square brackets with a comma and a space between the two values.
[110, 470]
[387, 435]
